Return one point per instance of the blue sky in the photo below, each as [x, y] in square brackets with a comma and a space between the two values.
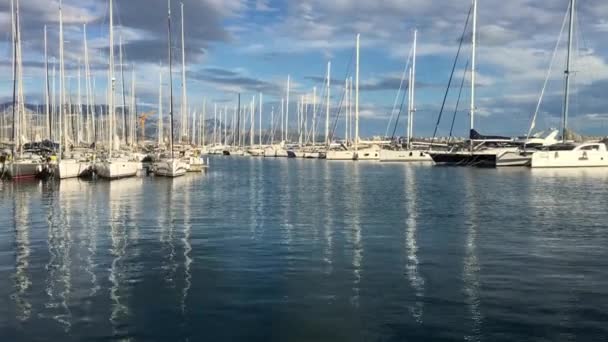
[249, 46]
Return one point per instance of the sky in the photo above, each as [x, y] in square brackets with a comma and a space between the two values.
[251, 46]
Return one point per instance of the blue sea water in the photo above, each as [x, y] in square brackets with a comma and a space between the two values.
[308, 250]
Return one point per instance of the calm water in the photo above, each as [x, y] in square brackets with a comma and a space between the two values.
[303, 250]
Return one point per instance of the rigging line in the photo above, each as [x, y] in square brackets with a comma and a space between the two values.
[403, 76]
[445, 97]
[400, 111]
[464, 76]
[542, 93]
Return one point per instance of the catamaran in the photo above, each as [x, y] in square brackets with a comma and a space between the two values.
[567, 154]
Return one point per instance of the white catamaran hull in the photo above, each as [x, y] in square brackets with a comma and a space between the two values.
[404, 156]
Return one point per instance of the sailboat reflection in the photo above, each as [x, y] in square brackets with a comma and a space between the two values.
[121, 196]
[328, 224]
[356, 233]
[21, 278]
[471, 262]
[415, 278]
[59, 267]
[187, 249]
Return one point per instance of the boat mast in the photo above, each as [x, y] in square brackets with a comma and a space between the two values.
[87, 72]
[327, 104]
[79, 111]
[203, 128]
[62, 125]
[282, 119]
[287, 111]
[314, 115]
[15, 40]
[46, 88]
[170, 79]
[473, 66]
[184, 110]
[412, 87]
[567, 71]
[346, 110]
[122, 83]
[357, 97]
[252, 118]
[133, 112]
[112, 81]
[160, 135]
[260, 128]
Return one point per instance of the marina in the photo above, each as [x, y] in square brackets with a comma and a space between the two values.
[235, 172]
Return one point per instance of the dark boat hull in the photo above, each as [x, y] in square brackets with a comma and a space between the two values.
[464, 159]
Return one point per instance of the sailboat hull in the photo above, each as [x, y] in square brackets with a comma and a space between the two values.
[22, 169]
[404, 156]
[340, 155]
[116, 169]
[569, 159]
[462, 158]
[71, 169]
[170, 168]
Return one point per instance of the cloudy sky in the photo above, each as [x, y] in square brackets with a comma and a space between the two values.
[250, 46]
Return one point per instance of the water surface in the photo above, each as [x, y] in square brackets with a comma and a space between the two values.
[307, 250]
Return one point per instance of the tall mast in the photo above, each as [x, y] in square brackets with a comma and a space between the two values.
[184, 109]
[122, 82]
[15, 42]
[62, 125]
[133, 111]
[567, 72]
[473, 65]
[282, 119]
[79, 110]
[314, 115]
[327, 104]
[170, 79]
[287, 111]
[215, 123]
[160, 134]
[203, 128]
[346, 109]
[46, 88]
[272, 126]
[112, 84]
[238, 119]
[357, 97]
[252, 117]
[87, 72]
[412, 87]
[260, 128]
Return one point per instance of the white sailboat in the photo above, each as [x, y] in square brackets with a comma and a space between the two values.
[348, 153]
[566, 155]
[114, 165]
[19, 165]
[169, 166]
[409, 153]
[71, 163]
